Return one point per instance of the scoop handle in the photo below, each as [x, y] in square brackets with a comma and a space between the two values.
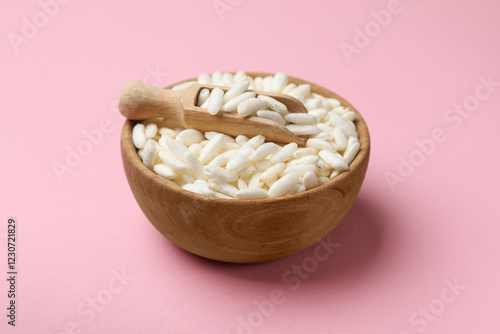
[139, 101]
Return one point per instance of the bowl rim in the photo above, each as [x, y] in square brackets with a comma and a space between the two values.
[130, 152]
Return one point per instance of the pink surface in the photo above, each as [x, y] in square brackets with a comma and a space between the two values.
[416, 254]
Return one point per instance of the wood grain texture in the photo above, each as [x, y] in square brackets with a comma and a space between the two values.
[140, 101]
[245, 231]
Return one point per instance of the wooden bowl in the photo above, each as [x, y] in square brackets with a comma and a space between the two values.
[245, 231]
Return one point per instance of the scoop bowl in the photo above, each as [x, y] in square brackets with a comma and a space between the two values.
[246, 231]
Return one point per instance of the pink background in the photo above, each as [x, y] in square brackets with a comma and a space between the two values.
[399, 248]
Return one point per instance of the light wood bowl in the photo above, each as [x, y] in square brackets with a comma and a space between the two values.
[246, 231]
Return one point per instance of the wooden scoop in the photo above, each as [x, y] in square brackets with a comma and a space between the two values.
[140, 101]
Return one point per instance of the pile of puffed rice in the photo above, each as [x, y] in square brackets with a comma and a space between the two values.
[218, 165]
